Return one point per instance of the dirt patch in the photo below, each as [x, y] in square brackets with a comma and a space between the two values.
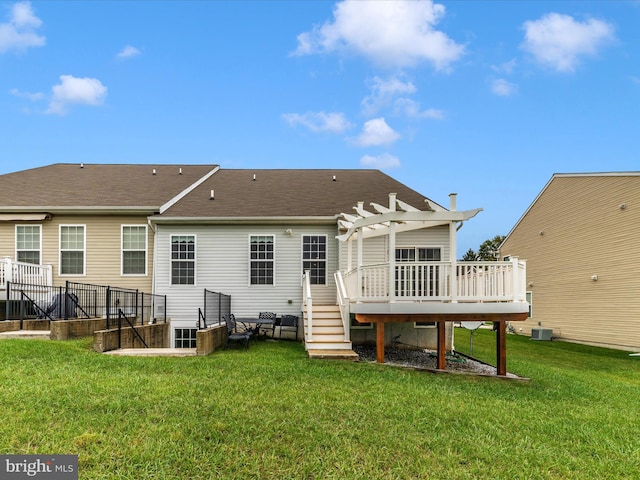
[426, 360]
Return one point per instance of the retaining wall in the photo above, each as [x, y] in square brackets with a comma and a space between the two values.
[155, 336]
[211, 339]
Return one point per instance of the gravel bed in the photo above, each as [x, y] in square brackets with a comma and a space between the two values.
[424, 359]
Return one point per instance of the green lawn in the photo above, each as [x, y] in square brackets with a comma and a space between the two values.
[271, 412]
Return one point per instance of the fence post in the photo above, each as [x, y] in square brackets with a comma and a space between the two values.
[66, 296]
[8, 303]
[21, 309]
[136, 305]
[515, 279]
[108, 307]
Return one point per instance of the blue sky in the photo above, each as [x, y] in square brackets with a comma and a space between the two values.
[483, 98]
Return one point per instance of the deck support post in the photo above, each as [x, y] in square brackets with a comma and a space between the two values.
[442, 346]
[380, 342]
[501, 348]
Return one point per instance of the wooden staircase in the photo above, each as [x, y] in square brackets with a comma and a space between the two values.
[328, 338]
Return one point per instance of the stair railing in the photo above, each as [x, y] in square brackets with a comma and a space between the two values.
[343, 303]
[307, 302]
[122, 316]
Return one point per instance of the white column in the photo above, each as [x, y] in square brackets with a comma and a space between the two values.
[453, 246]
[8, 272]
[359, 265]
[392, 251]
[392, 262]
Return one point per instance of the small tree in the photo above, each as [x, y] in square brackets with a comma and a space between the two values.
[488, 251]
[470, 256]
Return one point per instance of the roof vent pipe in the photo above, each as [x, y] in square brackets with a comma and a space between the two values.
[254, 177]
[212, 195]
[154, 171]
[334, 178]
[180, 173]
[82, 165]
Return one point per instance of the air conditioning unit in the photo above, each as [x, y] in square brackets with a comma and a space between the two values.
[541, 334]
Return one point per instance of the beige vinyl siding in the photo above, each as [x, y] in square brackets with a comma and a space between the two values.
[222, 265]
[576, 229]
[103, 249]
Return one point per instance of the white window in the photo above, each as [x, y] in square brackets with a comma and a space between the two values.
[183, 260]
[314, 258]
[72, 250]
[185, 337]
[261, 264]
[28, 243]
[134, 250]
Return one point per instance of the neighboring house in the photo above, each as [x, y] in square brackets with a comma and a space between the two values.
[90, 222]
[580, 239]
[351, 251]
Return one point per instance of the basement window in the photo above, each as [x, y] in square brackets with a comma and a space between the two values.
[185, 337]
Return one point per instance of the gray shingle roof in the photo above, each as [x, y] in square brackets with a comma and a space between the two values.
[98, 186]
[290, 193]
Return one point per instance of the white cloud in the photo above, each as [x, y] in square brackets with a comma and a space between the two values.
[397, 33]
[128, 52]
[319, 121]
[559, 41]
[383, 92]
[19, 32]
[507, 67]
[376, 132]
[79, 91]
[34, 97]
[383, 161]
[412, 109]
[503, 88]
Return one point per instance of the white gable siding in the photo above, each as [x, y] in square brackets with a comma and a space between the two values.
[222, 265]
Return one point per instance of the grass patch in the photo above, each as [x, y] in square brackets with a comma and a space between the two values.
[273, 413]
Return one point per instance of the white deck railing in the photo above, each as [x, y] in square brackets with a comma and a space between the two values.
[432, 281]
[26, 273]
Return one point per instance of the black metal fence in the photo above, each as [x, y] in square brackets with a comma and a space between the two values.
[216, 305]
[81, 300]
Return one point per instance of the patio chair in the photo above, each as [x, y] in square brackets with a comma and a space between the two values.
[233, 335]
[290, 323]
[268, 328]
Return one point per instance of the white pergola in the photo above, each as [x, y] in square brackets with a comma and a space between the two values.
[396, 218]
